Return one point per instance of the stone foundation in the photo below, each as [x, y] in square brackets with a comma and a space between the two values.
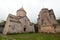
[47, 29]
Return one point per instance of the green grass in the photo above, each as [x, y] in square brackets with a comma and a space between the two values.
[31, 36]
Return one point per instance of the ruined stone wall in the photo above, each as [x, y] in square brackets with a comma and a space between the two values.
[46, 17]
[47, 29]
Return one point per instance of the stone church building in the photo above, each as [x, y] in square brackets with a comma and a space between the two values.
[47, 21]
[19, 23]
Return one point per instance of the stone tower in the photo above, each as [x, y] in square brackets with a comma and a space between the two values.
[47, 21]
[21, 12]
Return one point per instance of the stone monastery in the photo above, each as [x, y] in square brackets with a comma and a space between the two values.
[20, 23]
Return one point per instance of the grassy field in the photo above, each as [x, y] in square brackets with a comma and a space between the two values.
[31, 36]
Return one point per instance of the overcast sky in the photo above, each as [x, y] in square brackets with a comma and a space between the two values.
[32, 7]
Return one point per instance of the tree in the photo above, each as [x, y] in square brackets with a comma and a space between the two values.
[2, 23]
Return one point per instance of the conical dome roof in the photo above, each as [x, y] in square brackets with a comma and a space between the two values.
[21, 9]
